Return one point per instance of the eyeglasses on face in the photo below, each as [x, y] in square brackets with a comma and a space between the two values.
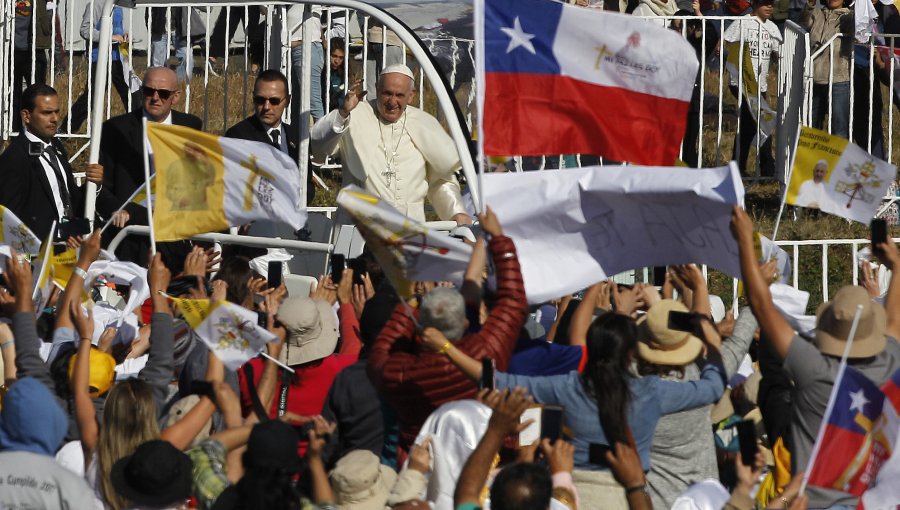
[163, 93]
[274, 101]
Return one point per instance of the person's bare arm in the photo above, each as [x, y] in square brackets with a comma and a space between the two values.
[85, 414]
[888, 255]
[8, 348]
[321, 488]
[90, 250]
[472, 281]
[774, 326]
[625, 464]
[435, 341]
[561, 307]
[584, 315]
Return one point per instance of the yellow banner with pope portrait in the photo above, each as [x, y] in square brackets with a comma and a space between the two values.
[206, 183]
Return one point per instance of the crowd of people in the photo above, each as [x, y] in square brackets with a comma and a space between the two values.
[456, 397]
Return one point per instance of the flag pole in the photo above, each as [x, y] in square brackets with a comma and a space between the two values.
[790, 173]
[149, 195]
[831, 399]
[273, 360]
[479, 100]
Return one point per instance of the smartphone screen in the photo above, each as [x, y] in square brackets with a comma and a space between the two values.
[747, 440]
[338, 264]
[597, 454]
[487, 375]
[358, 266]
[531, 433]
[275, 273]
[659, 276]
[551, 423]
[681, 321]
[879, 233]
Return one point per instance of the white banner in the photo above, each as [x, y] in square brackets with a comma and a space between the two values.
[575, 227]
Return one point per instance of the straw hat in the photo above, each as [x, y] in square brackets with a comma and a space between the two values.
[663, 346]
[834, 318]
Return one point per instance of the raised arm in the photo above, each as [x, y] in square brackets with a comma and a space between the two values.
[85, 414]
[27, 342]
[473, 280]
[584, 315]
[773, 325]
[161, 363]
[888, 255]
[399, 326]
[90, 250]
[435, 341]
[501, 330]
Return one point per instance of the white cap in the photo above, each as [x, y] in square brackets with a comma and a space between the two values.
[398, 68]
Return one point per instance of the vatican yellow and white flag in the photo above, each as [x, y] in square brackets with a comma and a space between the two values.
[205, 183]
[43, 278]
[835, 176]
[227, 329]
[407, 250]
[17, 235]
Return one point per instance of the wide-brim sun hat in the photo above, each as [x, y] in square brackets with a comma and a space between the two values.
[660, 345]
[834, 319]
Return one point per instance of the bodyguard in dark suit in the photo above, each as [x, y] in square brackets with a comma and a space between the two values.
[122, 155]
[270, 99]
[121, 143]
[36, 181]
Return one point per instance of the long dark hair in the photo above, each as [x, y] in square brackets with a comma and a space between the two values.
[268, 488]
[611, 340]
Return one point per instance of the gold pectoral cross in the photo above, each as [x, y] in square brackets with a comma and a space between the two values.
[255, 173]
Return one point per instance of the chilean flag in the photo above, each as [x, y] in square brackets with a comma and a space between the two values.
[855, 443]
[560, 79]
[884, 492]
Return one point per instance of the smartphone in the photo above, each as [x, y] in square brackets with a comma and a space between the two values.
[202, 388]
[597, 454]
[532, 433]
[487, 375]
[681, 321]
[747, 439]
[358, 265]
[879, 233]
[338, 264]
[275, 273]
[74, 227]
[262, 320]
[552, 422]
[659, 276]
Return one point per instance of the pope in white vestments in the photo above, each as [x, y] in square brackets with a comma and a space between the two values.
[392, 150]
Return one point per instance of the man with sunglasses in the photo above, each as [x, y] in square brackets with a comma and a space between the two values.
[393, 150]
[270, 100]
[122, 156]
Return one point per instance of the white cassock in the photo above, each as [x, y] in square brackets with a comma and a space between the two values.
[812, 194]
[401, 163]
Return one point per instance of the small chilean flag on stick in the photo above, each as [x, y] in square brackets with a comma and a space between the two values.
[560, 79]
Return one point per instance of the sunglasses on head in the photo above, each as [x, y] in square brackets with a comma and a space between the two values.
[163, 93]
[274, 101]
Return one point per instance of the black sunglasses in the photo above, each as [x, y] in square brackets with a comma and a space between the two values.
[274, 101]
[163, 93]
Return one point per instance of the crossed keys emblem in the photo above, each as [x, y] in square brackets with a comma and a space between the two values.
[861, 176]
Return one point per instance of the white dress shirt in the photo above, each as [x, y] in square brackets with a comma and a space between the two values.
[51, 174]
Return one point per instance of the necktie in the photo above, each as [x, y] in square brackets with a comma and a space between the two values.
[276, 138]
[60, 180]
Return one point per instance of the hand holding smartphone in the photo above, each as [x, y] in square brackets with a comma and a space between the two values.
[276, 270]
[338, 264]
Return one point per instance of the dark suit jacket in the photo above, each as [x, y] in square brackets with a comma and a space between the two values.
[25, 190]
[122, 157]
[253, 129]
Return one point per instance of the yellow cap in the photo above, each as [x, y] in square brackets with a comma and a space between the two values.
[103, 371]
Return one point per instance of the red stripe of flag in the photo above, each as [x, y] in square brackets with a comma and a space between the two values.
[540, 114]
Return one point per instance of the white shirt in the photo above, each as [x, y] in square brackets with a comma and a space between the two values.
[167, 121]
[51, 174]
[812, 193]
[763, 38]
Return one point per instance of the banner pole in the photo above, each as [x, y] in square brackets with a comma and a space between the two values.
[149, 194]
